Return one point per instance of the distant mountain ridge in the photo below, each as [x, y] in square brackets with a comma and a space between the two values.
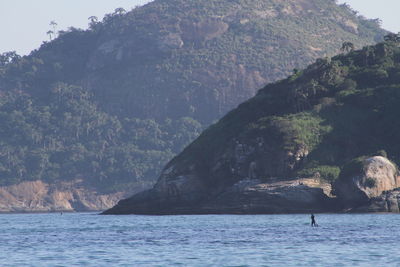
[112, 104]
[170, 58]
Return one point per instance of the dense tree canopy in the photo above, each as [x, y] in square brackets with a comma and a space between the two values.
[68, 137]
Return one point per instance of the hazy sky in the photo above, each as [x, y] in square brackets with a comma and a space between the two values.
[382, 9]
[24, 23]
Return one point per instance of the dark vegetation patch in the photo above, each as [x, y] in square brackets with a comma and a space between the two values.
[328, 107]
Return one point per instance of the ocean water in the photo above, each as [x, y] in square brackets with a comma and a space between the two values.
[88, 239]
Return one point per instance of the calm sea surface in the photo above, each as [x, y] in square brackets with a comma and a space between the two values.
[87, 239]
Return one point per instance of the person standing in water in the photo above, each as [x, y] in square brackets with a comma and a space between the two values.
[313, 224]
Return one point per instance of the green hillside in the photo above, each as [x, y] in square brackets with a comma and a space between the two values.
[174, 58]
[112, 104]
[320, 122]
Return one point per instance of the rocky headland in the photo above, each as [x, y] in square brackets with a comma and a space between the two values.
[318, 141]
[373, 189]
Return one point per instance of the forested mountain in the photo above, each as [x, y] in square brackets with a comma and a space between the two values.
[333, 122]
[112, 104]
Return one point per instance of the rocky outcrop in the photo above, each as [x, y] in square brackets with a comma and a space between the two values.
[376, 176]
[233, 181]
[388, 201]
[205, 30]
[37, 196]
[244, 197]
[170, 42]
[255, 196]
[374, 189]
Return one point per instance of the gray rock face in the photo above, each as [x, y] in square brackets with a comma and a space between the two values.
[254, 196]
[387, 202]
[244, 197]
[37, 196]
[187, 191]
[180, 189]
[212, 185]
[377, 176]
[203, 31]
[170, 42]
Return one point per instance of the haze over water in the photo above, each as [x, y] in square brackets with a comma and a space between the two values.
[82, 239]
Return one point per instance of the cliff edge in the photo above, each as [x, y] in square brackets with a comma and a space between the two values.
[37, 196]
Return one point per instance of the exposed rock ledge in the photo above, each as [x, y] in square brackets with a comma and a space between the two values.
[38, 196]
[374, 188]
[245, 197]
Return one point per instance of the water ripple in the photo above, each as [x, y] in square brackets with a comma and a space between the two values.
[82, 239]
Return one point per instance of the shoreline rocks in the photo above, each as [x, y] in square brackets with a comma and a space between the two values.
[38, 196]
[373, 188]
[372, 177]
[245, 197]
[189, 194]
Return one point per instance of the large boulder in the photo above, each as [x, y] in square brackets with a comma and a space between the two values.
[366, 179]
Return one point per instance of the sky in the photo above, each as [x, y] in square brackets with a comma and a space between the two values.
[24, 23]
[386, 10]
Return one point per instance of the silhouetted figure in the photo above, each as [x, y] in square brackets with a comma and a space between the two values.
[313, 220]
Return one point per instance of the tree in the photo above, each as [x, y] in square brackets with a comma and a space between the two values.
[54, 25]
[93, 21]
[119, 11]
[382, 153]
[392, 37]
[347, 47]
[50, 34]
[8, 57]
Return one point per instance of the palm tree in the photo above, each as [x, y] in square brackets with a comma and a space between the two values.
[347, 47]
[119, 11]
[54, 30]
[50, 33]
[54, 25]
[93, 21]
